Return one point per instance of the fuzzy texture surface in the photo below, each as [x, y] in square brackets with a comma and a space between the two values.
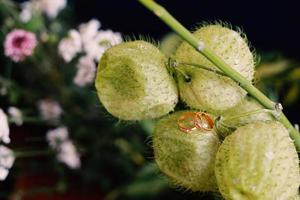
[206, 90]
[170, 43]
[133, 83]
[258, 161]
[247, 111]
[186, 158]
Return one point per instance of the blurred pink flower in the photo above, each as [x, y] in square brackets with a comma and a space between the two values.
[94, 41]
[56, 136]
[19, 44]
[26, 11]
[89, 30]
[86, 70]
[7, 159]
[15, 115]
[69, 46]
[52, 7]
[102, 41]
[4, 128]
[49, 109]
[67, 153]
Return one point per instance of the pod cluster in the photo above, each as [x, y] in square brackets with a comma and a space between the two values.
[223, 141]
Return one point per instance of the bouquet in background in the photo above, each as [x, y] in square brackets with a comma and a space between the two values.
[51, 123]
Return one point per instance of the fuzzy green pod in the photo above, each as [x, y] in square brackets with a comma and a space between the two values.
[258, 161]
[187, 159]
[133, 83]
[247, 111]
[170, 43]
[207, 90]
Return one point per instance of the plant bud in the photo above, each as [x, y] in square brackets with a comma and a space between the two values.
[133, 83]
[247, 111]
[258, 161]
[187, 158]
[207, 90]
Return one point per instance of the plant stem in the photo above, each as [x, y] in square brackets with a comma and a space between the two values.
[249, 114]
[33, 120]
[8, 70]
[166, 17]
[203, 67]
[33, 153]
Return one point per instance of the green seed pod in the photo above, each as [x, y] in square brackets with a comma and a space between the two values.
[247, 111]
[170, 43]
[186, 158]
[133, 82]
[207, 90]
[258, 161]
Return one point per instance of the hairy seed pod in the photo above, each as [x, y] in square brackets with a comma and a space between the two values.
[169, 43]
[258, 161]
[207, 90]
[187, 158]
[133, 82]
[247, 111]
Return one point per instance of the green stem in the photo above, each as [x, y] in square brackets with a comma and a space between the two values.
[33, 120]
[34, 153]
[8, 70]
[174, 63]
[203, 67]
[166, 17]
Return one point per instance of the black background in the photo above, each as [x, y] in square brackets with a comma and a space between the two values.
[269, 25]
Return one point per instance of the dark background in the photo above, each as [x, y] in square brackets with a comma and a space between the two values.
[269, 25]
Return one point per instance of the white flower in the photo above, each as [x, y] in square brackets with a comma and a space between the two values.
[94, 50]
[7, 159]
[56, 136]
[51, 7]
[95, 42]
[59, 141]
[69, 155]
[70, 46]
[26, 12]
[3, 173]
[86, 70]
[3, 91]
[49, 109]
[102, 41]
[4, 128]
[89, 30]
[108, 38]
[15, 115]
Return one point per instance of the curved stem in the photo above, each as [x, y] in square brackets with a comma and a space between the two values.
[250, 113]
[166, 17]
[174, 63]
